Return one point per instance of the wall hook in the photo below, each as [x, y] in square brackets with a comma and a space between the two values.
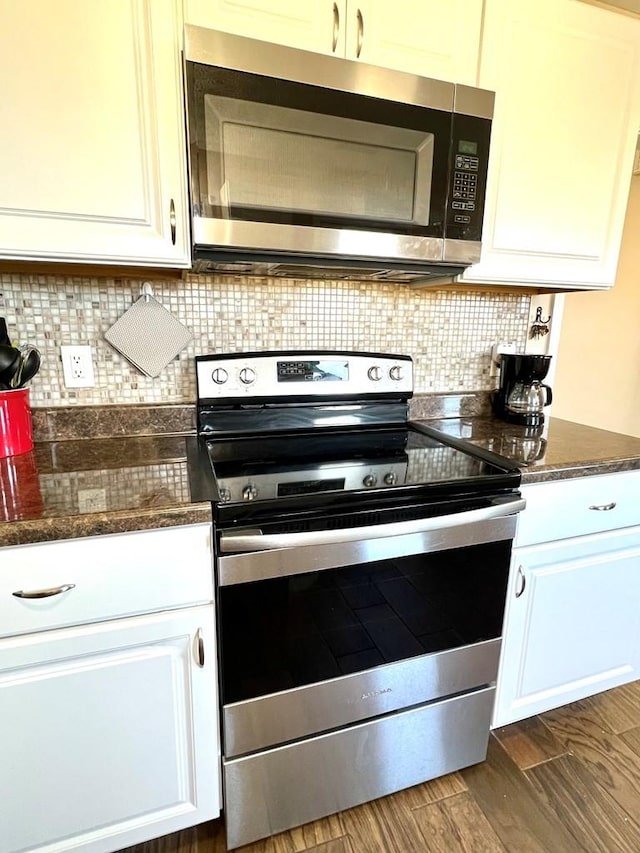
[539, 327]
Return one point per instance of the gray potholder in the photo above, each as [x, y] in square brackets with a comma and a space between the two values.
[148, 335]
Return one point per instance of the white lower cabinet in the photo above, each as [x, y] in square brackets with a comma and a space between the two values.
[108, 731]
[572, 622]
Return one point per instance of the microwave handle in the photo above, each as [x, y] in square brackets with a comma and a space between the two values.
[235, 541]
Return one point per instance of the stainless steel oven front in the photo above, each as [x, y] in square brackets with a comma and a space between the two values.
[355, 661]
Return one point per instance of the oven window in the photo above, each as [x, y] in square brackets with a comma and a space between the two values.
[287, 632]
[265, 150]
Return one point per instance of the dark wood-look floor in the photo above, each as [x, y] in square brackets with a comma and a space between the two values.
[563, 782]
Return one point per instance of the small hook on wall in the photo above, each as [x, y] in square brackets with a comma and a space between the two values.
[539, 327]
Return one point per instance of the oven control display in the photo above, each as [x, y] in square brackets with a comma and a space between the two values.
[313, 371]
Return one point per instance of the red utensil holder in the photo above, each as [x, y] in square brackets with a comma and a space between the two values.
[16, 434]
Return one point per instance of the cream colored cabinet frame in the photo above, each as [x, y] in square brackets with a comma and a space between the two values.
[108, 733]
[92, 140]
[567, 81]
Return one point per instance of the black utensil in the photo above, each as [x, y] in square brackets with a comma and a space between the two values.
[29, 367]
[10, 361]
[5, 341]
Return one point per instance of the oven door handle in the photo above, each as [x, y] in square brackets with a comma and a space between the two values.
[253, 540]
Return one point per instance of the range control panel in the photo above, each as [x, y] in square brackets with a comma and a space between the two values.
[276, 376]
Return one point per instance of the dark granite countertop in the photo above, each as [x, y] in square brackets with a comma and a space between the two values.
[69, 489]
[556, 451]
[82, 487]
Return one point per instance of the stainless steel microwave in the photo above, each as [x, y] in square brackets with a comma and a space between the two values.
[309, 165]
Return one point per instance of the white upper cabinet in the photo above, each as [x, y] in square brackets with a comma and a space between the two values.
[425, 37]
[567, 78]
[91, 144]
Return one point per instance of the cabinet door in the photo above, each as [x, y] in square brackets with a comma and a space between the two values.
[571, 625]
[317, 25]
[91, 144]
[567, 82]
[424, 37]
[108, 733]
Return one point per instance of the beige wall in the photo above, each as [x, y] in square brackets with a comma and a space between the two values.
[598, 369]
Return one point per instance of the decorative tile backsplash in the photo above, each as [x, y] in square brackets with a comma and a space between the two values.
[448, 332]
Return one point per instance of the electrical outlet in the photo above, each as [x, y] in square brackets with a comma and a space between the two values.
[77, 365]
[496, 352]
[92, 500]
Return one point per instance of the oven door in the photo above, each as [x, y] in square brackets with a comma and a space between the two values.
[326, 628]
[295, 153]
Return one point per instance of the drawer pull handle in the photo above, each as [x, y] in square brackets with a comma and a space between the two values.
[44, 593]
[603, 507]
[523, 580]
[200, 647]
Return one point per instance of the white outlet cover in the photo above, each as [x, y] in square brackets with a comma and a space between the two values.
[77, 366]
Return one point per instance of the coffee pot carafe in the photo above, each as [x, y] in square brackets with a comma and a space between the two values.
[522, 396]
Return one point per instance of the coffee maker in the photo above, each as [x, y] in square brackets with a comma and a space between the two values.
[521, 395]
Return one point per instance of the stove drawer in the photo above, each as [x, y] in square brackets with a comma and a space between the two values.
[300, 782]
[71, 582]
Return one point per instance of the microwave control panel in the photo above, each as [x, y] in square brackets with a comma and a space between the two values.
[469, 159]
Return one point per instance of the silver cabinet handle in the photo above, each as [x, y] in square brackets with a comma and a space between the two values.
[603, 507]
[360, 33]
[336, 27]
[199, 644]
[172, 221]
[44, 593]
[523, 582]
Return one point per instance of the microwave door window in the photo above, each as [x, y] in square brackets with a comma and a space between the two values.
[274, 163]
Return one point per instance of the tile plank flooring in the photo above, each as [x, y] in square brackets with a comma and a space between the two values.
[563, 782]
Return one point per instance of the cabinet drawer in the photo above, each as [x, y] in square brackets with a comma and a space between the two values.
[112, 576]
[567, 508]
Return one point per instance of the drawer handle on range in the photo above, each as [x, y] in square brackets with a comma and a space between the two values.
[336, 27]
[199, 647]
[44, 593]
[523, 584]
[603, 507]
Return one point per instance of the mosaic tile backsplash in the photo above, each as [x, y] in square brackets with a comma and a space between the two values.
[449, 333]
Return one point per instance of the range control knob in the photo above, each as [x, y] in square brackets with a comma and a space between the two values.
[374, 373]
[247, 375]
[396, 373]
[249, 493]
[370, 480]
[219, 375]
[225, 495]
[391, 479]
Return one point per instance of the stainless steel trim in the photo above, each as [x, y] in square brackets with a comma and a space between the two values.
[336, 27]
[211, 47]
[293, 714]
[291, 785]
[604, 507]
[360, 37]
[462, 251]
[272, 237]
[282, 562]
[240, 541]
[471, 101]
[44, 593]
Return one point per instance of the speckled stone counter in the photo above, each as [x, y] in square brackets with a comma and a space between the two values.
[72, 487]
[556, 451]
[68, 489]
